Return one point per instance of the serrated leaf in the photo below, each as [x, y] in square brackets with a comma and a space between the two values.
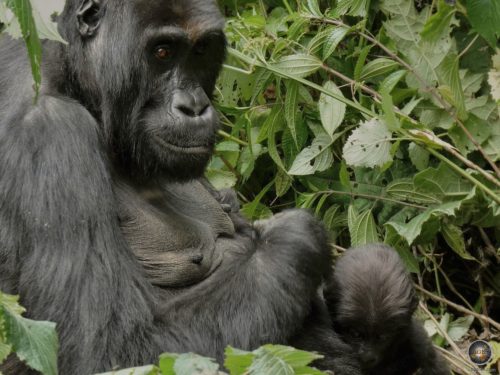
[449, 75]
[280, 360]
[362, 227]
[455, 239]
[332, 111]
[316, 157]
[411, 230]
[391, 81]
[291, 107]
[390, 118]
[418, 156]
[438, 22]
[369, 145]
[377, 67]
[332, 41]
[238, 361]
[34, 342]
[352, 7]
[484, 15]
[193, 364]
[299, 65]
[5, 350]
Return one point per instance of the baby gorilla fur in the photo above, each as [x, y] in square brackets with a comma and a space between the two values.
[371, 301]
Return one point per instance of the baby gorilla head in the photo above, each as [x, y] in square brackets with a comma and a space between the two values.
[372, 302]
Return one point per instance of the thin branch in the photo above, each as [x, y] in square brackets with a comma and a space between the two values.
[459, 308]
[450, 341]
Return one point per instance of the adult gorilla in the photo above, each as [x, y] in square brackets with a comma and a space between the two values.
[98, 180]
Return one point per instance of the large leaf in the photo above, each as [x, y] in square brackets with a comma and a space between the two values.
[332, 111]
[34, 342]
[484, 15]
[299, 65]
[369, 145]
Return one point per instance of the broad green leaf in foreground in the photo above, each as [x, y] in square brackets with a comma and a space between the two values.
[34, 342]
[146, 370]
[369, 145]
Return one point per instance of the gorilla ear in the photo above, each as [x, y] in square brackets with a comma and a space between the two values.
[89, 16]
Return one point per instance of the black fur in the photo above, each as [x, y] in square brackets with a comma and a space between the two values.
[113, 119]
[372, 301]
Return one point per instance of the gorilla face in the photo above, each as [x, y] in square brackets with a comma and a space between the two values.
[153, 66]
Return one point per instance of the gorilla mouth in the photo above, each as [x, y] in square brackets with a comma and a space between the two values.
[201, 149]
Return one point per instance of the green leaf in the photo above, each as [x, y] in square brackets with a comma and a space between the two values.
[193, 364]
[145, 370]
[238, 361]
[291, 107]
[418, 156]
[317, 157]
[332, 41]
[390, 118]
[362, 227]
[480, 130]
[484, 15]
[24, 13]
[352, 7]
[369, 145]
[377, 67]
[34, 342]
[299, 65]
[281, 360]
[332, 111]
[455, 239]
[449, 75]
[391, 81]
[429, 218]
[438, 22]
[5, 350]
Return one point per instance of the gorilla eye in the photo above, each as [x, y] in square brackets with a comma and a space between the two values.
[201, 48]
[162, 52]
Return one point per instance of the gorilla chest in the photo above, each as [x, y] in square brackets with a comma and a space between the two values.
[173, 230]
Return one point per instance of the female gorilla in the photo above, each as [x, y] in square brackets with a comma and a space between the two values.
[89, 183]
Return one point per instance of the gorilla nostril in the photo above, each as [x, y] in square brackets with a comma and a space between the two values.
[197, 259]
[186, 110]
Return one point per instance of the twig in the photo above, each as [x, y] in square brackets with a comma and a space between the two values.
[458, 363]
[450, 341]
[458, 307]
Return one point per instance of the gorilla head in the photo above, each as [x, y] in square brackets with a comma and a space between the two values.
[147, 70]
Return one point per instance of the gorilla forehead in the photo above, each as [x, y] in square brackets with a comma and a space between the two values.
[195, 16]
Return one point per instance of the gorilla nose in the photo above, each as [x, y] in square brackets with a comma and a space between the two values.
[197, 259]
[191, 104]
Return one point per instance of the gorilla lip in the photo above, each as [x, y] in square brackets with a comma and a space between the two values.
[185, 149]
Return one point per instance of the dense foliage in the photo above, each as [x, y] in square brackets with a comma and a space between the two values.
[380, 116]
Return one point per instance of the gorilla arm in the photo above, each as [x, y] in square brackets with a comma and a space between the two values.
[59, 228]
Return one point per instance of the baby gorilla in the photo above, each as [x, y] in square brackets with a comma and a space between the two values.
[371, 301]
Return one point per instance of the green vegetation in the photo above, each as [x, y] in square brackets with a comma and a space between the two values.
[380, 116]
